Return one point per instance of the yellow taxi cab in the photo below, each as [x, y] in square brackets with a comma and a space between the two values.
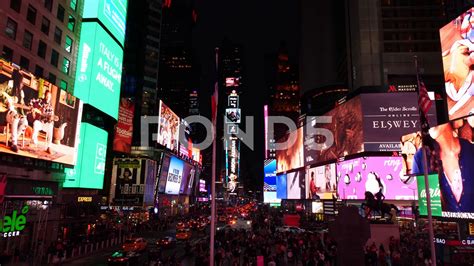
[183, 234]
[135, 245]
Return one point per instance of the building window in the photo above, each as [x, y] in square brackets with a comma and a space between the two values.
[7, 53]
[10, 29]
[63, 85]
[24, 62]
[39, 71]
[15, 5]
[45, 25]
[60, 14]
[27, 40]
[58, 34]
[48, 4]
[42, 49]
[71, 23]
[54, 58]
[52, 78]
[68, 44]
[73, 5]
[31, 15]
[66, 65]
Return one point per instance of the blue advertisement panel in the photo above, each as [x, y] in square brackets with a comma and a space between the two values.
[174, 177]
[269, 182]
[281, 186]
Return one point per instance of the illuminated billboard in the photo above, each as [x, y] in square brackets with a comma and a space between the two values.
[232, 163]
[435, 195]
[281, 186]
[128, 181]
[374, 174]
[168, 128]
[321, 182]
[99, 69]
[174, 176]
[232, 82]
[124, 127]
[269, 182]
[90, 167]
[457, 45]
[40, 120]
[165, 164]
[232, 116]
[188, 178]
[112, 14]
[295, 185]
[452, 155]
[292, 157]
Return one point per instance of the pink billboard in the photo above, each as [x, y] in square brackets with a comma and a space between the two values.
[356, 176]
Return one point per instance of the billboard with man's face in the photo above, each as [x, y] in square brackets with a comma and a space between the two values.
[40, 120]
[457, 45]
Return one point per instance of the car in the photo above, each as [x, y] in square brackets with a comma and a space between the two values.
[183, 234]
[125, 258]
[166, 242]
[291, 229]
[135, 245]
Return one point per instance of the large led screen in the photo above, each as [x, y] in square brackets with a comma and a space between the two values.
[165, 164]
[168, 127]
[269, 182]
[345, 124]
[387, 116]
[295, 185]
[281, 186]
[128, 181]
[374, 174]
[175, 176]
[90, 168]
[112, 13]
[452, 155]
[457, 45]
[291, 157]
[321, 182]
[99, 69]
[38, 120]
[188, 178]
[435, 195]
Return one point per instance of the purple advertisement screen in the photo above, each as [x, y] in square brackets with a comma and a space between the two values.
[357, 176]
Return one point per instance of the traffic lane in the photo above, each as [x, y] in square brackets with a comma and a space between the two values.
[97, 259]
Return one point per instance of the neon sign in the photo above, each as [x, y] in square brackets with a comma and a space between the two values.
[12, 225]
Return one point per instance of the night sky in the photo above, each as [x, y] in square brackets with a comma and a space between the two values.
[259, 26]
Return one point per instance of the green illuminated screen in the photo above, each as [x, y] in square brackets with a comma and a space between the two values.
[99, 69]
[434, 192]
[112, 13]
[89, 170]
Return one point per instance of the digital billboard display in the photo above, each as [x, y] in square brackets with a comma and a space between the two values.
[174, 176]
[345, 123]
[374, 174]
[295, 185]
[435, 195]
[292, 157]
[40, 120]
[232, 116]
[188, 178]
[165, 164]
[112, 13]
[281, 186]
[387, 116]
[269, 182]
[128, 179]
[150, 180]
[90, 167]
[452, 155]
[99, 69]
[202, 185]
[168, 128]
[457, 45]
[321, 182]
[124, 127]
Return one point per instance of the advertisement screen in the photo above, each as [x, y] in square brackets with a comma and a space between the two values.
[374, 174]
[112, 13]
[321, 182]
[292, 157]
[128, 179]
[188, 179]
[202, 185]
[452, 154]
[168, 128]
[457, 43]
[387, 116]
[346, 123]
[317, 207]
[232, 82]
[281, 186]
[99, 69]
[150, 180]
[174, 177]
[435, 195]
[295, 185]
[165, 165]
[90, 167]
[232, 115]
[124, 127]
[269, 182]
[39, 120]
